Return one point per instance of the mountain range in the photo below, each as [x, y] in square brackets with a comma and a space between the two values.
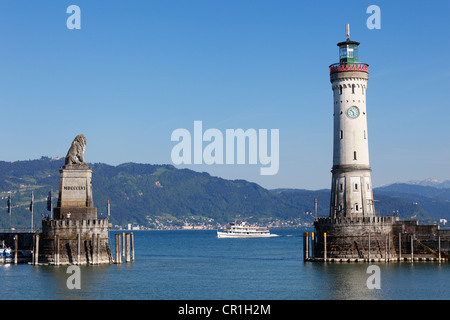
[155, 196]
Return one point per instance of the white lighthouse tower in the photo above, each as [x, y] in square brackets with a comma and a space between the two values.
[351, 185]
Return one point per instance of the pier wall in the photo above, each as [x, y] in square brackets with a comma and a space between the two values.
[354, 238]
[64, 242]
[376, 239]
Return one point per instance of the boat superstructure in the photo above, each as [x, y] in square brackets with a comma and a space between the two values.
[244, 230]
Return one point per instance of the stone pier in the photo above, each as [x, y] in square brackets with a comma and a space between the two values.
[376, 239]
[75, 235]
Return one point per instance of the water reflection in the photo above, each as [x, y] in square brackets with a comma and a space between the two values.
[53, 281]
[348, 281]
[344, 281]
[193, 265]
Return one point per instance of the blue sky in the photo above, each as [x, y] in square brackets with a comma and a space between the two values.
[138, 70]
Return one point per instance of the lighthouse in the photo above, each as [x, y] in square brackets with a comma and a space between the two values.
[351, 184]
[352, 232]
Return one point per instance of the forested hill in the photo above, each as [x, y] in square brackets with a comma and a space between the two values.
[152, 195]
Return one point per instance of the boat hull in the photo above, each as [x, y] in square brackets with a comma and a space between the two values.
[234, 235]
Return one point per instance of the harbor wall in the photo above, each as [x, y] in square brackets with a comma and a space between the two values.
[376, 239]
[81, 242]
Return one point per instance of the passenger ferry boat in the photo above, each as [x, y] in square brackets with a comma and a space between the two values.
[244, 230]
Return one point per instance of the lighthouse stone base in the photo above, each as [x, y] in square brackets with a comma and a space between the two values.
[354, 238]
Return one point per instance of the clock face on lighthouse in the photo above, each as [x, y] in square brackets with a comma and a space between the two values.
[353, 112]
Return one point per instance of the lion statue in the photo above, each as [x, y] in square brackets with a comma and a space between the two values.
[75, 155]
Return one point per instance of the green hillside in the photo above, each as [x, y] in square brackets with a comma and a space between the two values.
[156, 195]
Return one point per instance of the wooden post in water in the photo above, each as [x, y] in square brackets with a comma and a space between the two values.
[119, 243]
[33, 255]
[117, 248]
[307, 245]
[127, 243]
[304, 246]
[132, 246]
[36, 250]
[412, 248]
[325, 246]
[16, 247]
[123, 245]
[439, 247]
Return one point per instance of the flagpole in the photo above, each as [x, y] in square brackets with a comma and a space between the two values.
[9, 210]
[51, 204]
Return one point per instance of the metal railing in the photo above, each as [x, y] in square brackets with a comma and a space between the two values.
[348, 67]
[18, 230]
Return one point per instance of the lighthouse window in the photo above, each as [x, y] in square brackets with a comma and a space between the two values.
[357, 207]
[362, 90]
[356, 186]
[342, 134]
[341, 187]
[354, 155]
[340, 89]
[353, 90]
[350, 52]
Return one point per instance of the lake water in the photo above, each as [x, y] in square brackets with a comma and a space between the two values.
[192, 265]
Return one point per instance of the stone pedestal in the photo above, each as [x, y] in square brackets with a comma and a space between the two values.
[75, 200]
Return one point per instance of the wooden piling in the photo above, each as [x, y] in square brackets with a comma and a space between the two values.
[117, 236]
[307, 245]
[115, 249]
[132, 246]
[412, 248]
[36, 250]
[127, 244]
[123, 244]
[16, 247]
[439, 247]
[118, 248]
[304, 246]
[33, 252]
